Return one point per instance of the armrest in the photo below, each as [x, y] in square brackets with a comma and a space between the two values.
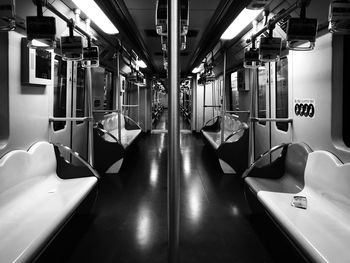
[108, 133]
[76, 155]
[134, 122]
[261, 157]
[244, 127]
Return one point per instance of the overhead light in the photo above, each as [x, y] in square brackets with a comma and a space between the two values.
[241, 21]
[141, 64]
[94, 12]
[196, 69]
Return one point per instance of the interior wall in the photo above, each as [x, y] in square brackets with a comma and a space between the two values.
[28, 104]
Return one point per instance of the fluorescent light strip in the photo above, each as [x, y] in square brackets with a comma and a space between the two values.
[141, 63]
[240, 22]
[94, 12]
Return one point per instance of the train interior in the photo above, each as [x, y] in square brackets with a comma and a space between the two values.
[174, 131]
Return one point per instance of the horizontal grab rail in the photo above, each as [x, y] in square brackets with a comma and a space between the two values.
[212, 106]
[272, 120]
[53, 119]
[136, 105]
[102, 111]
[238, 111]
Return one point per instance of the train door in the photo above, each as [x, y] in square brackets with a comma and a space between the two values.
[273, 100]
[69, 101]
[60, 131]
[79, 128]
[280, 102]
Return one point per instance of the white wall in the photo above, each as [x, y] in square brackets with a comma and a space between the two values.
[29, 105]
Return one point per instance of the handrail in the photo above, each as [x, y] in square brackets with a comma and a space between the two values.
[273, 149]
[103, 111]
[133, 121]
[108, 133]
[238, 111]
[212, 106]
[232, 115]
[244, 127]
[272, 22]
[53, 119]
[75, 154]
[218, 116]
[288, 120]
[130, 106]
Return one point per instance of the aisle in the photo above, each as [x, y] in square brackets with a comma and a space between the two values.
[130, 221]
[162, 123]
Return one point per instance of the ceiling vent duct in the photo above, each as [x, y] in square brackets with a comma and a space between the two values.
[339, 17]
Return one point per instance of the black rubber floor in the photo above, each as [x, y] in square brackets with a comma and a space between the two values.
[129, 223]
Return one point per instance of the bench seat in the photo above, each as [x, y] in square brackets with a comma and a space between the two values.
[322, 230]
[34, 202]
[109, 149]
[233, 152]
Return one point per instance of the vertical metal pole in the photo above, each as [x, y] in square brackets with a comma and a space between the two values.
[174, 133]
[89, 99]
[119, 105]
[138, 103]
[89, 111]
[223, 105]
[204, 104]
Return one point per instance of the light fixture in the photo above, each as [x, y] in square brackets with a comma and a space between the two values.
[94, 12]
[196, 69]
[241, 21]
[141, 63]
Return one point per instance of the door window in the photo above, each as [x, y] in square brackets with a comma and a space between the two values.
[282, 93]
[60, 92]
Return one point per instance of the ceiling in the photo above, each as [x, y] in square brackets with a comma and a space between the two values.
[143, 15]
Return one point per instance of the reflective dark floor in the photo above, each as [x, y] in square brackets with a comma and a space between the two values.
[129, 223]
[162, 123]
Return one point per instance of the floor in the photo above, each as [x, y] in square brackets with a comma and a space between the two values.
[162, 123]
[129, 223]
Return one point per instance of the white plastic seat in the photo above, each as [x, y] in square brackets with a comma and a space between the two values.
[322, 230]
[34, 202]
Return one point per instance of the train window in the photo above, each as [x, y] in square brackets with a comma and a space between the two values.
[346, 92]
[60, 92]
[108, 90]
[4, 91]
[80, 98]
[282, 93]
[262, 84]
[234, 91]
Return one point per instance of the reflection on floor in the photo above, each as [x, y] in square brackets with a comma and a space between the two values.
[130, 219]
[162, 123]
